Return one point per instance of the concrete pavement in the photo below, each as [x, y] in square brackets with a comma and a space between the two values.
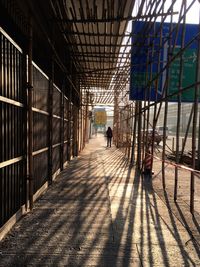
[100, 212]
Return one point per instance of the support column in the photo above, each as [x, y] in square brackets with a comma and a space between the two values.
[86, 120]
[139, 135]
[134, 135]
[194, 134]
[69, 126]
[62, 130]
[30, 116]
[50, 126]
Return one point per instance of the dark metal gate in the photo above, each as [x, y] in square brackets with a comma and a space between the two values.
[54, 135]
[12, 129]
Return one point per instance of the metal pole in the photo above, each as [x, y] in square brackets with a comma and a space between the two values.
[139, 135]
[76, 127]
[62, 129]
[166, 109]
[173, 144]
[30, 116]
[50, 103]
[187, 131]
[134, 134]
[198, 150]
[86, 119]
[69, 125]
[196, 101]
[116, 120]
[179, 106]
[130, 130]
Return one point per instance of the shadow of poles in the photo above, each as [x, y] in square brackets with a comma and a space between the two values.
[173, 231]
[33, 233]
[152, 212]
[98, 203]
[172, 209]
[118, 225]
[185, 224]
[103, 162]
[82, 221]
[145, 218]
[132, 220]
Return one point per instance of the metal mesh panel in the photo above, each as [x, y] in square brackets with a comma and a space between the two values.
[56, 131]
[40, 169]
[40, 127]
[12, 187]
[56, 158]
[40, 93]
[40, 131]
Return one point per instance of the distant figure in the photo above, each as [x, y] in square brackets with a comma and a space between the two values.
[96, 131]
[109, 136]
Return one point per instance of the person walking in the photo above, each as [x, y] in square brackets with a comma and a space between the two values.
[109, 136]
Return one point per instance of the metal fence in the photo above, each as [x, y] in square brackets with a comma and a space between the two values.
[12, 130]
[55, 129]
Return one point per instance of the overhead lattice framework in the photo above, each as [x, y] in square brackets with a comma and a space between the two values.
[89, 39]
[94, 30]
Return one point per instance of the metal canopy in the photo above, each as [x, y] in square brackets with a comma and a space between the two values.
[94, 31]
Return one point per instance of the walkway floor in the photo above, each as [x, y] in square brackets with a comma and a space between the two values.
[99, 212]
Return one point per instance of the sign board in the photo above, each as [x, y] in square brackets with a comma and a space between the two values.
[149, 58]
[188, 77]
[100, 117]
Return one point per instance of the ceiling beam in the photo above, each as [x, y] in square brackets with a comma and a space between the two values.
[116, 19]
[97, 34]
[100, 45]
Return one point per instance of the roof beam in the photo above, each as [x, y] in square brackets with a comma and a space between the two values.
[117, 19]
[100, 45]
[97, 34]
[100, 53]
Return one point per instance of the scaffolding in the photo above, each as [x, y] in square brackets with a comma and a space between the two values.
[81, 54]
[164, 69]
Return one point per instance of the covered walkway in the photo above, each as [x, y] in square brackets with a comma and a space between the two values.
[100, 212]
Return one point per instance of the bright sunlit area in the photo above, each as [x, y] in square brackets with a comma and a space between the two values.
[167, 7]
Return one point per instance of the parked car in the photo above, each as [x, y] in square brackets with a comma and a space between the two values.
[160, 130]
[149, 133]
[157, 137]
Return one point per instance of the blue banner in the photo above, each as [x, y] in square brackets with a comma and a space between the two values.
[149, 55]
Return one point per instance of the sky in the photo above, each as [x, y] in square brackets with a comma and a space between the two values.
[191, 17]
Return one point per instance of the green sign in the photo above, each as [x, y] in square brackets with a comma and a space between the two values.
[188, 76]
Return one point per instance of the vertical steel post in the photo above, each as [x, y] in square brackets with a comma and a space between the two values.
[75, 149]
[86, 119]
[81, 129]
[62, 128]
[78, 130]
[173, 144]
[187, 130]
[198, 150]
[145, 127]
[116, 120]
[50, 126]
[166, 111]
[196, 102]
[30, 116]
[139, 135]
[24, 135]
[134, 135]
[69, 125]
[179, 107]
